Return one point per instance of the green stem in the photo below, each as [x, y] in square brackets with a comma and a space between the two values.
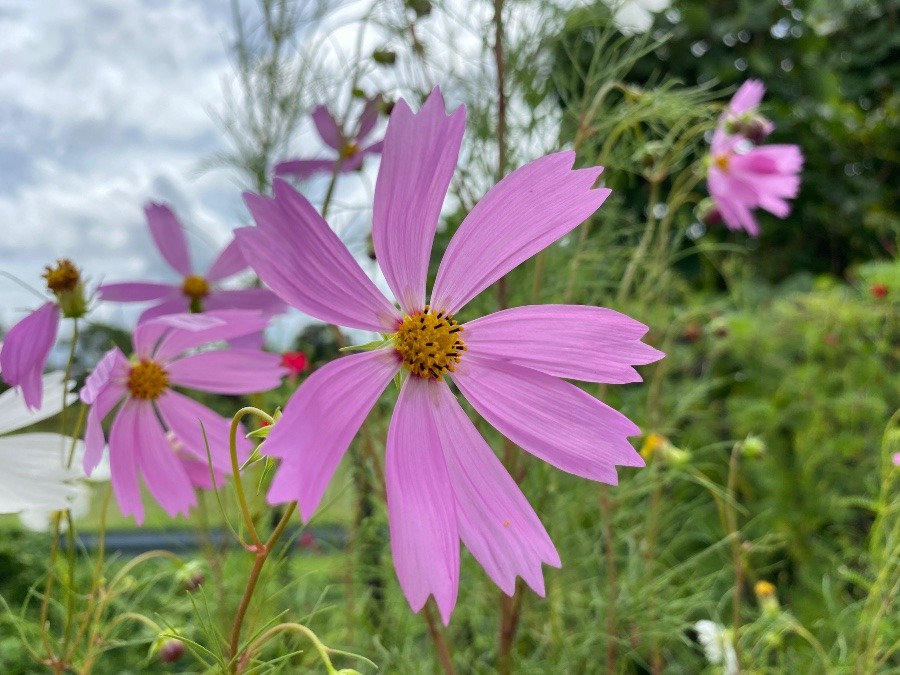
[236, 469]
[734, 535]
[262, 554]
[641, 251]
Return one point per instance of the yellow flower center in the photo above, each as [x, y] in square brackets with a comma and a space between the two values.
[195, 287]
[764, 589]
[721, 161]
[429, 343]
[147, 380]
[349, 149]
[64, 277]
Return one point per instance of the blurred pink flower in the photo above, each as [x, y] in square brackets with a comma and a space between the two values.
[27, 345]
[157, 432]
[743, 177]
[196, 292]
[444, 483]
[350, 150]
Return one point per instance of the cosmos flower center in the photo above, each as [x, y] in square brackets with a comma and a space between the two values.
[147, 380]
[62, 278]
[721, 162]
[349, 149]
[195, 287]
[429, 343]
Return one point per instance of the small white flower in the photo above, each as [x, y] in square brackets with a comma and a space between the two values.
[716, 641]
[34, 473]
[635, 16]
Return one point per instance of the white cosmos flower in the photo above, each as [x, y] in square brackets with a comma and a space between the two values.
[34, 474]
[716, 641]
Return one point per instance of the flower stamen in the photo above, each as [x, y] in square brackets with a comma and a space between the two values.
[147, 380]
[429, 343]
[62, 278]
[721, 162]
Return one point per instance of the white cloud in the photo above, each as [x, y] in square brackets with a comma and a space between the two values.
[104, 105]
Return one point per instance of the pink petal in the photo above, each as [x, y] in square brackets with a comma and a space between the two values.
[298, 256]
[495, 521]
[94, 441]
[328, 129]
[25, 351]
[309, 437]
[228, 263]
[102, 390]
[113, 365]
[123, 459]
[304, 168]
[747, 97]
[583, 343]
[163, 473]
[368, 118]
[424, 536]
[198, 473]
[136, 292]
[550, 418]
[228, 371]
[188, 420]
[168, 233]
[352, 163]
[374, 149]
[177, 305]
[260, 299]
[148, 333]
[420, 154]
[524, 213]
[221, 325]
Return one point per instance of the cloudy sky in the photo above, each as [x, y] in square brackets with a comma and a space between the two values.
[105, 104]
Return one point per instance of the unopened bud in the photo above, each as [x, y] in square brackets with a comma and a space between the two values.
[753, 447]
[171, 651]
[190, 575]
[385, 57]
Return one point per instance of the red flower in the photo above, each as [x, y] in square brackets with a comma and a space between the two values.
[878, 291]
[294, 362]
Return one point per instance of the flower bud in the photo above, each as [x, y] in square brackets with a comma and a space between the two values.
[753, 447]
[171, 651]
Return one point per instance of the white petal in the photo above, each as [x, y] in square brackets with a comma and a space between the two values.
[14, 414]
[34, 476]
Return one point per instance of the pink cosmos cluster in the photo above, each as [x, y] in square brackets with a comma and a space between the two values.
[444, 483]
[744, 176]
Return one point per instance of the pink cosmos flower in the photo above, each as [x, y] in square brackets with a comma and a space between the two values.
[444, 483]
[743, 177]
[27, 345]
[157, 432]
[196, 292]
[349, 147]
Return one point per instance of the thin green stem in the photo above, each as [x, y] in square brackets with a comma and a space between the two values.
[98, 567]
[734, 535]
[262, 554]
[641, 251]
[236, 469]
